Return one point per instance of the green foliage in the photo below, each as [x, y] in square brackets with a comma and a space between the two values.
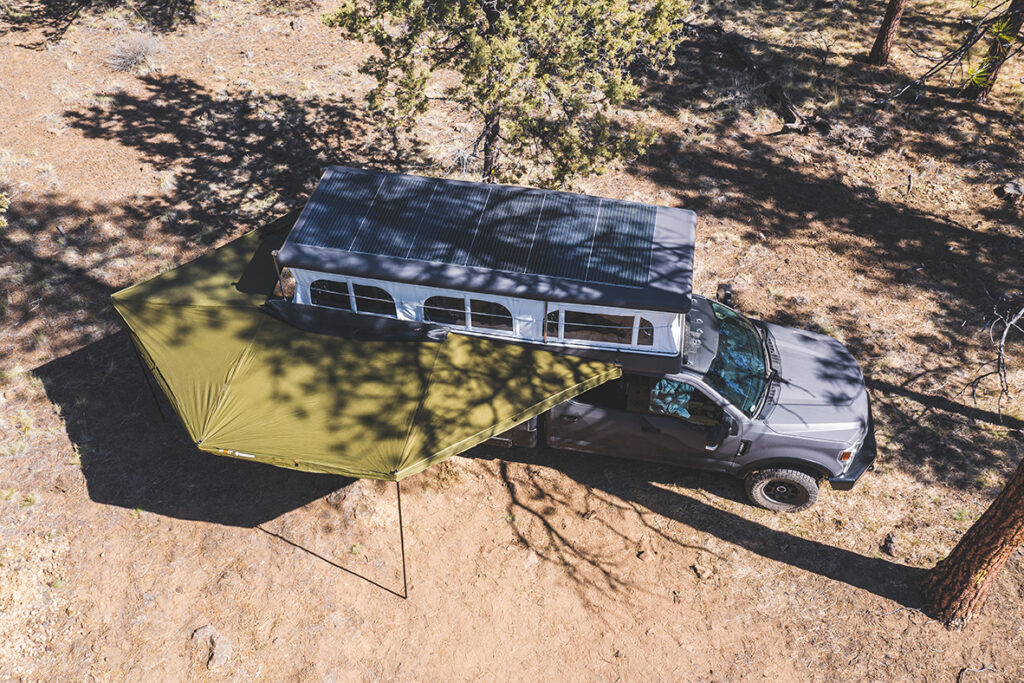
[1002, 30]
[980, 77]
[544, 79]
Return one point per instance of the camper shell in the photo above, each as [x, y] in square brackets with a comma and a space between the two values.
[563, 270]
[701, 384]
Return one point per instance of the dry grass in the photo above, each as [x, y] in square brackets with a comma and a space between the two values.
[134, 52]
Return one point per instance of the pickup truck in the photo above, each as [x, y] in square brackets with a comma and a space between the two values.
[783, 409]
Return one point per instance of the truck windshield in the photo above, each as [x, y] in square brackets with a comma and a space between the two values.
[738, 371]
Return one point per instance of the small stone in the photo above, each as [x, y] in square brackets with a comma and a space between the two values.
[531, 560]
[218, 647]
[701, 571]
[888, 545]
[1013, 188]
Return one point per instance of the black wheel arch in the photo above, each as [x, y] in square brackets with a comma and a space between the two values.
[808, 468]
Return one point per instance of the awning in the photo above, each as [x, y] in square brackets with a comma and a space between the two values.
[247, 384]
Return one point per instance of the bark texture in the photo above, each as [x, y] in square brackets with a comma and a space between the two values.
[887, 33]
[981, 85]
[956, 589]
[492, 135]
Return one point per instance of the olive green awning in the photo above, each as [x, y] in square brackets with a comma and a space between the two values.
[248, 385]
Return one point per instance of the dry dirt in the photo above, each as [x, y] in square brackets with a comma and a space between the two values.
[136, 136]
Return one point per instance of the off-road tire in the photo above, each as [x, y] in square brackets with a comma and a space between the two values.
[782, 490]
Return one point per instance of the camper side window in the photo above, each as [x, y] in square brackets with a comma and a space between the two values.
[490, 315]
[551, 330]
[373, 300]
[613, 329]
[645, 333]
[330, 293]
[446, 310]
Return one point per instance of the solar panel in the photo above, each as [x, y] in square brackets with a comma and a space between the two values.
[334, 212]
[498, 227]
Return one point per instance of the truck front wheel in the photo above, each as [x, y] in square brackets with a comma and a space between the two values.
[782, 490]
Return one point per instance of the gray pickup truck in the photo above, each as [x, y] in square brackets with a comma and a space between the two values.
[782, 408]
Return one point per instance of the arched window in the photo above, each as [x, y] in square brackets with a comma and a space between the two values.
[330, 293]
[490, 316]
[445, 310]
[373, 300]
[645, 334]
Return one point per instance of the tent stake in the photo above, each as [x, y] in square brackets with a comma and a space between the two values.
[401, 539]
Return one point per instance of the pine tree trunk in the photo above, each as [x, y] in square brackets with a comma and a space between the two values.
[985, 77]
[958, 586]
[492, 132]
[887, 33]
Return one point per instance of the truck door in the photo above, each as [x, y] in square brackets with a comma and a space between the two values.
[688, 426]
[646, 418]
[594, 422]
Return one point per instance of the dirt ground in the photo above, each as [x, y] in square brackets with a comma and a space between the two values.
[134, 137]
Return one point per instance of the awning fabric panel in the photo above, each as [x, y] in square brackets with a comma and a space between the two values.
[323, 403]
[247, 384]
[481, 387]
[192, 350]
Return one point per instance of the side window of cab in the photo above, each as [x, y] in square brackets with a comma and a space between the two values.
[673, 399]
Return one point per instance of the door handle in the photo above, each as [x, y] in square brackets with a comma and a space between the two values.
[569, 418]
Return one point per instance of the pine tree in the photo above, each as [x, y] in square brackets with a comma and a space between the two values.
[543, 79]
[887, 32]
[957, 587]
[1005, 31]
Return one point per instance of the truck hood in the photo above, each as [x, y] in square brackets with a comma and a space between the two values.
[819, 389]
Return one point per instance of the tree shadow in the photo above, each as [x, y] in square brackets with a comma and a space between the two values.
[227, 164]
[231, 159]
[715, 89]
[134, 453]
[638, 486]
[890, 245]
[55, 17]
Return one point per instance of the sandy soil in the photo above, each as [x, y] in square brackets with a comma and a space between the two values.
[118, 540]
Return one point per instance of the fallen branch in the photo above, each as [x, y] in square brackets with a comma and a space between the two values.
[793, 119]
[954, 58]
[964, 671]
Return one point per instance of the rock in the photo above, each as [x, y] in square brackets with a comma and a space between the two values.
[1011, 191]
[701, 571]
[218, 648]
[888, 544]
[531, 560]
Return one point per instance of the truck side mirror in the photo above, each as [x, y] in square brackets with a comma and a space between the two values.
[724, 294]
[716, 435]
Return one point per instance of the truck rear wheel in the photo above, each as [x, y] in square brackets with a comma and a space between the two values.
[782, 490]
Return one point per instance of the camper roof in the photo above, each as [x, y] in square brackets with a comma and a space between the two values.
[496, 239]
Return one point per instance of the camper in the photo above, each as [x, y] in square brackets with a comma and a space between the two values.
[702, 385]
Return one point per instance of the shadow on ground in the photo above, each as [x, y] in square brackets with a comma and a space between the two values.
[55, 17]
[638, 483]
[135, 457]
